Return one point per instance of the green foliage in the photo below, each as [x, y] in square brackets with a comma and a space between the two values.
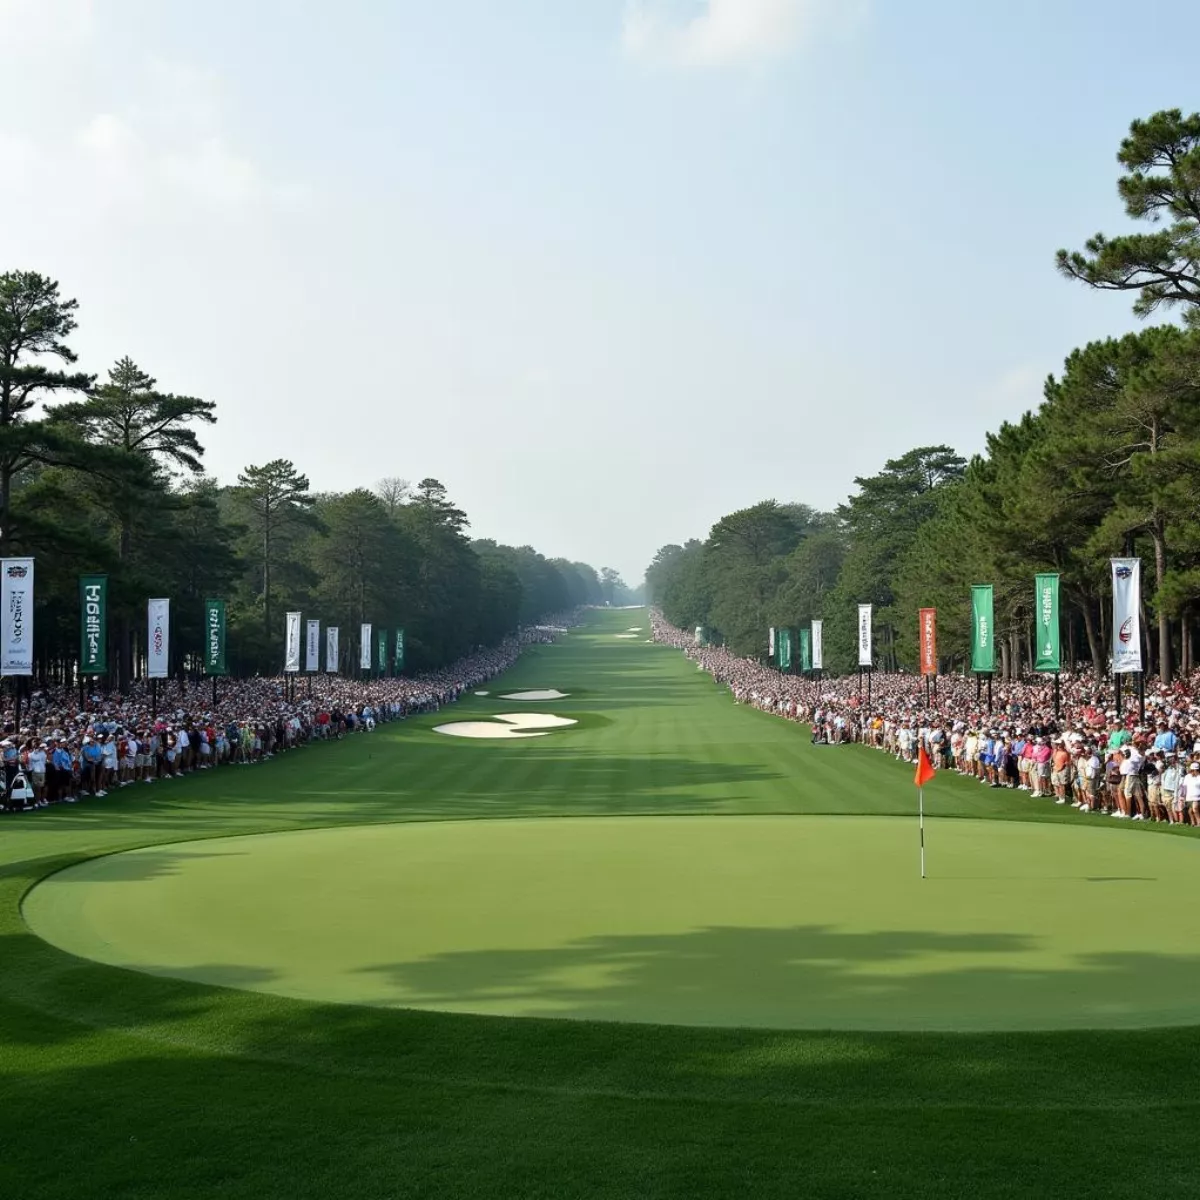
[1161, 156]
[110, 479]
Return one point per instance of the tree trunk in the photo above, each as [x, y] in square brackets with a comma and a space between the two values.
[125, 623]
[1164, 622]
[1089, 625]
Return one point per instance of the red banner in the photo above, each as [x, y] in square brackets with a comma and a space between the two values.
[928, 625]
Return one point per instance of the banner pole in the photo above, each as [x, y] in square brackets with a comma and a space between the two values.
[214, 693]
[921, 824]
[1057, 698]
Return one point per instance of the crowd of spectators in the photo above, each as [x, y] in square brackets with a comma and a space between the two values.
[62, 751]
[1090, 754]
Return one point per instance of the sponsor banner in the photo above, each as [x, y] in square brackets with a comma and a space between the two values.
[214, 638]
[158, 639]
[312, 646]
[771, 642]
[818, 645]
[983, 642]
[806, 650]
[864, 635]
[16, 598]
[93, 624]
[699, 637]
[1047, 652]
[1127, 615]
[331, 649]
[399, 650]
[291, 653]
[927, 619]
[784, 642]
[364, 647]
[381, 650]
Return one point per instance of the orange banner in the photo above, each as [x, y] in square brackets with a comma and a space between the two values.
[928, 625]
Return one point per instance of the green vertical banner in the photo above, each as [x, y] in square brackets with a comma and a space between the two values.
[1048, 654]
[983, 642]
[381, 646]
[806, 650]
[785, 649]
[399, 649]
[93, 624]
[214, 638]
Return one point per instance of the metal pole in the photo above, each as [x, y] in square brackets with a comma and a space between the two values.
[921, 823]
[1057, 698]
[1117, 705]
[214, 704]
[1141, 697]
[989, 693]
[869, 670]
[154, 699]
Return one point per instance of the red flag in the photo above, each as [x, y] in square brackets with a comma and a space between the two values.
[925, 771]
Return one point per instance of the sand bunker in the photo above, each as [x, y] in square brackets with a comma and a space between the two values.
[506, 725]
[626, 635]
[635, 629]
[536, 720]
[549, 694]
[483, 729]
[483, 693]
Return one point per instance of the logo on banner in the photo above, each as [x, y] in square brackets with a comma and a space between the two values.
[1126, 632]
[1124, 572]
[17, 571]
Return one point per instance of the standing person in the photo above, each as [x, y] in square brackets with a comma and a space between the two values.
[109, 762]
[35, 762]
[1169, 788]
[12, 764]
[1189, 786]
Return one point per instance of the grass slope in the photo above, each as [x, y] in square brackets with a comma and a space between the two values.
[121, 1084]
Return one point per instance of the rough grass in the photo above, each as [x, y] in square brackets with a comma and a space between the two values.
[114, 1083]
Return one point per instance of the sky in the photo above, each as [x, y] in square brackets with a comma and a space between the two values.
[608, 270]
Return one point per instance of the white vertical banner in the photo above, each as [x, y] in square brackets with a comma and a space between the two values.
[291, 651]
[312, 646]
[864, 635]
[818, 649]
[331, 649]
[364, 647]
[158, 639]
[1127, 615]
[16, 597]
[771, 642]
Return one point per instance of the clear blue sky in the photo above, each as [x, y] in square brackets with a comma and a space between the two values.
[607, 270]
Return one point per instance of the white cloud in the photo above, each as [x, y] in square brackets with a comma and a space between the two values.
[723, 33]
[153, 140]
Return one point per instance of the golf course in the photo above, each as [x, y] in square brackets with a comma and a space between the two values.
[616, 936]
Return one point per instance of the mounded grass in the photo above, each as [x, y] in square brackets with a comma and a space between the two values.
[785, 922]
[114, 1082]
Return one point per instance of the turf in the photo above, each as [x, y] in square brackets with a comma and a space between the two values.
[785, 922]
[118, 1083]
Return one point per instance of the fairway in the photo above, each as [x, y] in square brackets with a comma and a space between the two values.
[817, 922]
[674, 938]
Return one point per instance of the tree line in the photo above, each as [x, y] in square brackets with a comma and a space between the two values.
[107, 476]
[1108, 464]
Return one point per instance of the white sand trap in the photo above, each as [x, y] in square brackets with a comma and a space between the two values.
[549, 694]
[483, 693]
[636, 629]
[535, 720]
[626, 635]
[483, 729]
[506, 725]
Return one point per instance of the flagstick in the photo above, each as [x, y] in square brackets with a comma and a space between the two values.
[921, 823]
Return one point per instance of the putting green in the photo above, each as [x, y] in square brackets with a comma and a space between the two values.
[774, 921]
